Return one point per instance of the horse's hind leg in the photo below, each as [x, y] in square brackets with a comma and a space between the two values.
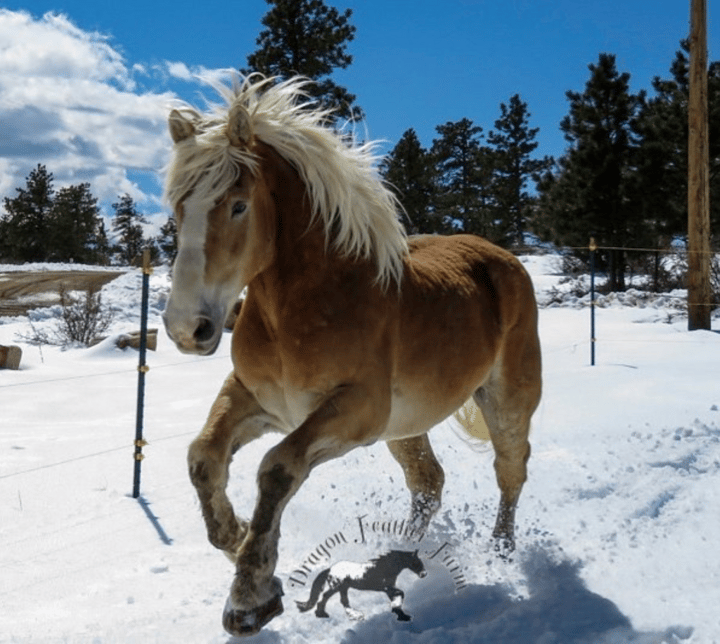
[424, 477]
[508, 401]
[232, 422]
[320, 608]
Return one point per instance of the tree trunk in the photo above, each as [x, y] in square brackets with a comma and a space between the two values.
[698, 275]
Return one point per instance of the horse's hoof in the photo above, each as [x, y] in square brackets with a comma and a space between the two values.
[243, 623]
[354, 615]
[504, 547]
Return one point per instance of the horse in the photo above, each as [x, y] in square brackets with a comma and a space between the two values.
[349, 332]
[379, 574]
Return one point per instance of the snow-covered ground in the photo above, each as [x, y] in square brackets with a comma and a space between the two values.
[618, 525]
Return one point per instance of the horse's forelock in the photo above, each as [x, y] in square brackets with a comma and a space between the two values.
[206, 165]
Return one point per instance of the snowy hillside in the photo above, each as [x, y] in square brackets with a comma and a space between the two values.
[618, 525]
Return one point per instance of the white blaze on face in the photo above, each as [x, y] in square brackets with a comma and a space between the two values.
[186, 300]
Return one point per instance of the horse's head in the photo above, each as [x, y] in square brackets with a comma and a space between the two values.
[406, 559]
[224, 227]
[415, 564]
[243, 173]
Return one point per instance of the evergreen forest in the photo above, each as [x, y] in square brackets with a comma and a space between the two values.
[621, 180]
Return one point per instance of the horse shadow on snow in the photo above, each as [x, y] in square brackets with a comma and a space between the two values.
[559, 610]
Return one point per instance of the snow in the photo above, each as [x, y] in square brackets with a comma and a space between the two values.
[54, 266]
[617, 527]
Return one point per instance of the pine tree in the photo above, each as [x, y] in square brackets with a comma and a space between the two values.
[663, 153]
[101, 244]
[74, 226]
[464, 177]
[514, 142]
[408, 169]
[127, 222]
[307, 38]
[592, 192]
[167, 240]
[24, 226]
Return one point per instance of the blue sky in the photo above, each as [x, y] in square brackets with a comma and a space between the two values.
[85, 88]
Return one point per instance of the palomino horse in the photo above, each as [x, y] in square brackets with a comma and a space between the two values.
[350, 333]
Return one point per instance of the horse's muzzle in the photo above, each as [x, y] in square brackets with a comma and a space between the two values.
[198, 335]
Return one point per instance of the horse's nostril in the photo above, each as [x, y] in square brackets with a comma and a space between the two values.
[205, 331]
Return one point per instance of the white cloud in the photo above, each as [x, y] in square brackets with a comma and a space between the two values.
[53, 47]
[69, 100]
[179, 70]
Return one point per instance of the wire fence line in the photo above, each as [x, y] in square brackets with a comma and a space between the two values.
[533, 250]
[121, 448]
[679, 252]
[574, 346]
[118, 372]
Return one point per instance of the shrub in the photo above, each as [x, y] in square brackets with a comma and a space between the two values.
[82, 319]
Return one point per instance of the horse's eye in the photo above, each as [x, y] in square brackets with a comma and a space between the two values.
[239, 208]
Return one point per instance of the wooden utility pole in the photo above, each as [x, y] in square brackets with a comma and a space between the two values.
[698, 276]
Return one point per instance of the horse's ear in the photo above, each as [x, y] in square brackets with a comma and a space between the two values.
[416, 552]
[181, 127]
[239, 129]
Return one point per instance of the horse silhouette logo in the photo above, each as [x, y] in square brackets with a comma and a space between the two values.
[379, 574]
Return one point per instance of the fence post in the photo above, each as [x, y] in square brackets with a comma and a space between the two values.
[142, 370]
[593, 248]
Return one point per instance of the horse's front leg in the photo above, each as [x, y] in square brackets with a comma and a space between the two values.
[234, 420]
[396, 597]
[353, 415]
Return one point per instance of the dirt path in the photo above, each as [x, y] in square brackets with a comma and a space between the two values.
[24, 290]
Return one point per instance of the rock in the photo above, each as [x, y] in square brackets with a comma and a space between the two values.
[133, 340]
[10, 357]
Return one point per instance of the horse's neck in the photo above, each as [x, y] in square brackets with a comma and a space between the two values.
[305, 267]
[298, 258]
[300, 237]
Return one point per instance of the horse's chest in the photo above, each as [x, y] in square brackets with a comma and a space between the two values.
[264, 374]
[292, 407]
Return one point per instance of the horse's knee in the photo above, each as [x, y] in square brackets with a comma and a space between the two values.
[205, 461]
[208, 473]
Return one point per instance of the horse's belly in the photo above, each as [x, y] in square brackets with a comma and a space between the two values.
[412, 414]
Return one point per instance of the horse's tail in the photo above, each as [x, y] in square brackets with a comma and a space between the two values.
[471, 419]
[314, 592]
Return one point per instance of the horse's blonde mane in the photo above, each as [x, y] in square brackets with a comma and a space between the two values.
[358, 211]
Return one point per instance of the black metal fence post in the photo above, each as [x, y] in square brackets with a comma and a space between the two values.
[593, 248]
[142, 370]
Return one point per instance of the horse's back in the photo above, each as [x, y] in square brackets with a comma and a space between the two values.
[471, 278]
[466, 262]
